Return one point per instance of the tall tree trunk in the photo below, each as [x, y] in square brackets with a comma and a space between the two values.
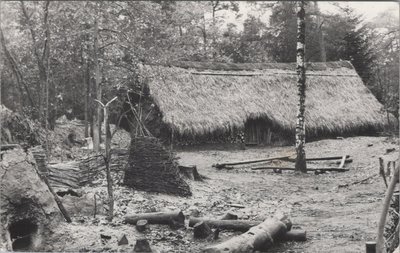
[320, 33]
[39, 59]
[107, 162]
[16, 70]
[46, 61]
[301, 87]
[97, 112]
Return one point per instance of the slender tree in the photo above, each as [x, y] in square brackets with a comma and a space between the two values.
[97, 112]
[301, 87]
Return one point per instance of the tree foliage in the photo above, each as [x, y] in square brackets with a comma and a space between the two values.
[131, 32]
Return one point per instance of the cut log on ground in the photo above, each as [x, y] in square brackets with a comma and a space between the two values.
[235, 225]
[190, 172]
[157, 218]
[223, 165]
[141, 225]
[260, 237]
[295, 236]
[201, 230]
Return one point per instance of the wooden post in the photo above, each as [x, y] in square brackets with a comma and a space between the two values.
[380, 245]
[108, 159]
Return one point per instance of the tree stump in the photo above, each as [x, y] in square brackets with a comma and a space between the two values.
[28, 210]
[152, 168]
[190, 172]
[201, 230]
[141, 225]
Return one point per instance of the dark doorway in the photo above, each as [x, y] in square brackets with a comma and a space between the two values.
[21, 233]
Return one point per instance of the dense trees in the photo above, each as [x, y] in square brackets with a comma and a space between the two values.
[50, 53]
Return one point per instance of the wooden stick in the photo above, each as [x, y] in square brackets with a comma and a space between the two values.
[382, 171]
[308, 169]
[342, 162]
[222, 165]
[322, 158]
[348, 160]
[386, 203]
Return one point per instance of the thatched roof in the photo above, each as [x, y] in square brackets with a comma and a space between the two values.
[199, 98]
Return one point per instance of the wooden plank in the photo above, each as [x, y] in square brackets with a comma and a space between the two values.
[222, 165]
[322, 158]
[342, 162]
[291, 168]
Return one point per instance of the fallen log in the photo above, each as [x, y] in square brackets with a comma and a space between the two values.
[295, 236]
[157, 217]
[278, 169]
[260, 237]
[235, 225]
[223, 165]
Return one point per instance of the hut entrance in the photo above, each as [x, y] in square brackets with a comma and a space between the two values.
[22, 235]
[257, 132]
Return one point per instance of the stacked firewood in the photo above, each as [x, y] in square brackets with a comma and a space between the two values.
[153, 168]
[40, 158]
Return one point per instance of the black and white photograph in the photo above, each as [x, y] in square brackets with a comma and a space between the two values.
[199, 126]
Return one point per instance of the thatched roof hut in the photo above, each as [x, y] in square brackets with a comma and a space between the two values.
[201, 98]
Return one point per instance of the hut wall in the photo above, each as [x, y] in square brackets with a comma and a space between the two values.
[262, 132]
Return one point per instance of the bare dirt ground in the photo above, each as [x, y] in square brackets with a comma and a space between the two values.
[337, 219]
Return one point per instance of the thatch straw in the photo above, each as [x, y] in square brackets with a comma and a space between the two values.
[194, 103]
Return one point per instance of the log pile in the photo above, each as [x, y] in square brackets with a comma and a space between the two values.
[152, 168]
[65, 175]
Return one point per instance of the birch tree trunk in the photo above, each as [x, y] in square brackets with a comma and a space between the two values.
[301, 87]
